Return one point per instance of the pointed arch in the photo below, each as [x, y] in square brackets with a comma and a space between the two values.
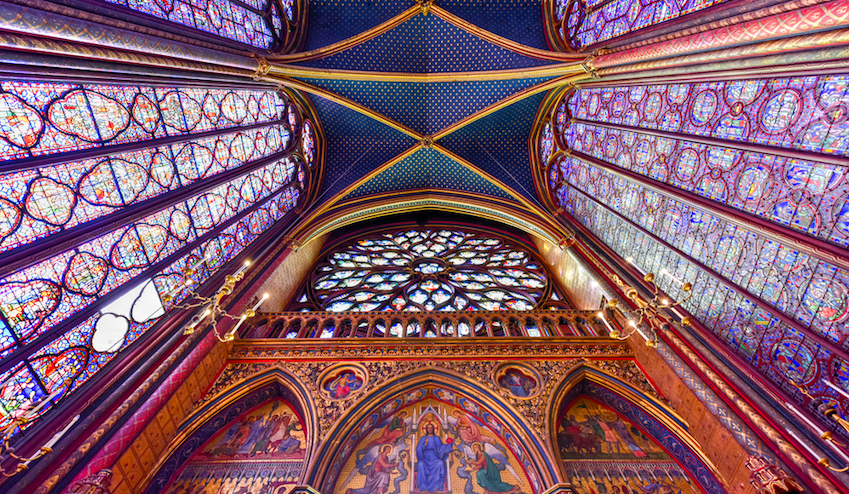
[231, 403]
[446, 387]
[656, 420]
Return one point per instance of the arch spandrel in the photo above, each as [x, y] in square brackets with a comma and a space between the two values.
[222, 441]
[446, 399]
[599, 424]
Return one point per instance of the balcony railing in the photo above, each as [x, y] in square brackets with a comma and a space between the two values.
[541, 323]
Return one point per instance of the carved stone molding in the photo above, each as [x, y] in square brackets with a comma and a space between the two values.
[477, 371]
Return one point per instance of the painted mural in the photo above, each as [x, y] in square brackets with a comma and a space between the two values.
[605, 454]
[340, 383]
[431, 447]
[519, 381]
[262, 451]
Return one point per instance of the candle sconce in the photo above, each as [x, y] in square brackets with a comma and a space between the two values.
[831, 413]
[647, 310]
[212, 305]
[18, 421]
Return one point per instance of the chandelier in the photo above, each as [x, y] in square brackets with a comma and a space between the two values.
[212, 305]
[831, 413]
[647, 311]
[19, 419]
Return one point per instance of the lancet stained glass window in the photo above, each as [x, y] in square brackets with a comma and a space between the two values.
[428, 270]
[37, 203]
[265, 24]
[113, 282]
[581, 23]
[767, 147]
[44, 118]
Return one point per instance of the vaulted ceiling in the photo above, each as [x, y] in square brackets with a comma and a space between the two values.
[427, 98]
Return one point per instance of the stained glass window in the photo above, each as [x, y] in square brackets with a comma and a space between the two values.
[37, 203]
[581, 23]
[265, 24]
[771, 148]
[808, 289]
[428, 270]
[114, 282]
[44, 118]
[801, 113]
[778, 350]
[37, 298]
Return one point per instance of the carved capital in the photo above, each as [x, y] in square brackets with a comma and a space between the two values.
[262, 68]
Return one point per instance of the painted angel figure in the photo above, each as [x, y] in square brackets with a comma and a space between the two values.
[467, 428]
[378, 472]
[394, 428]
[488, 461]
[375, 462]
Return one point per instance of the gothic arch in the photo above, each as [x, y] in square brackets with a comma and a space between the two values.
[534, 223]
[659, 422]
[232, 402]
[449, 388]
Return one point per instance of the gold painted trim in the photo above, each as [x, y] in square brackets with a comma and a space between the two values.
[350, 42]
[370, 175]
[525, 93]
[532, 208]
[309, 88]
[646, 402]
[369, 208]
[504, 42]
[423, 377]
[230, 395]
[285, 70]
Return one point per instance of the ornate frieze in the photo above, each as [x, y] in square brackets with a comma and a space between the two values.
[482, 365]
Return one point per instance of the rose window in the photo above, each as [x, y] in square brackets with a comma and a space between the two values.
[427, 270]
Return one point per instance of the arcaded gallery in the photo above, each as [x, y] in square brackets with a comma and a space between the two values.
[424, 246]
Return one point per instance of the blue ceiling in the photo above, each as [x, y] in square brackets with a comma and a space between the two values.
[498, 144]
[426, 107]
[427, 168]
[425, 44]
[516, 20]
[332, 21]
[358, 145]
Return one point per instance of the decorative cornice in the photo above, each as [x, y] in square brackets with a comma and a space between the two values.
[830, 15]
[551, 361]
[354, 211]
[262, 68]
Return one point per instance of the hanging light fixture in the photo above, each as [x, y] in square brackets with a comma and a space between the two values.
[212, 305]
[831, 413]
[18, 421]
[647, 311]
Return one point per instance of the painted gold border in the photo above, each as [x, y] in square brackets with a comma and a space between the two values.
[504, 42]
[501, 371]
[286, 70]
[309, 88]
[370, 208]
[525, 93]
[336, 368]
[423, 378]
[350, 42]
[645, 402]
[230, 395]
